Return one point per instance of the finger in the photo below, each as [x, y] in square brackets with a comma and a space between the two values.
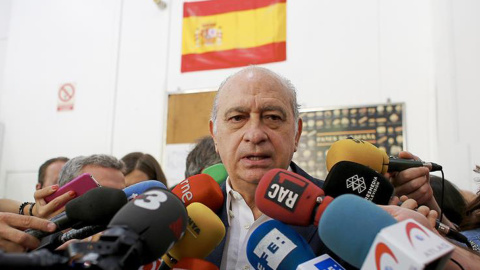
[21, 221]
[407, 155]
[403, 198]
[409, 204]
[424, 210]
[412, 186]
[40, 194]
[408, 175]
[65, 245]
[52, 206]
[394, 201]
[9, 246]
[422, 195]
[432, 217]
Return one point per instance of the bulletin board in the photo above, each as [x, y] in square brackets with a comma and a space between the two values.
[188, 116]
[381, 124]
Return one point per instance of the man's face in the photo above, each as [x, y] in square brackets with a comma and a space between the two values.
[51, 173]
[255, 126]
[106, 177]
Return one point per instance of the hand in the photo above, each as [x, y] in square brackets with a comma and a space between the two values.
[414, 183]
[13, 239]
[46, 210]
[426, 218]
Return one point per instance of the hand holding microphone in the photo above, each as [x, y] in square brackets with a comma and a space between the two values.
[367, 154]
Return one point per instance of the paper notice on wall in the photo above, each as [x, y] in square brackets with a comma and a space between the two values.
[175, 162]
[66, 97]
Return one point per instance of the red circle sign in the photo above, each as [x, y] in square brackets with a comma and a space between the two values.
[66, 92]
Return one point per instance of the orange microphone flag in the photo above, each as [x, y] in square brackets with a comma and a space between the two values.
[233, 33]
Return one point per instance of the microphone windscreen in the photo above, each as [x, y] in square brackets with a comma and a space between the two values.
[348, 177]
[217, 172]
[158, 217]
[136, 189]
[287, 196]
[273, 245]
[358, 151]
[349, 226]
[204, 232]
[194, 264]
[200, 188]
[97, 206]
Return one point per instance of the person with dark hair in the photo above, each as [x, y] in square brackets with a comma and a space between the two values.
[470, 227]
[454, 203]
[202, 156]
[141, 167]
[49, 171]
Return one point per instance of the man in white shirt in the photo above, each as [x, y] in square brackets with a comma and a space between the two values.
[256, 127]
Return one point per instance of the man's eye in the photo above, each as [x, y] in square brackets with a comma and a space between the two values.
[236, 118]
[274, 117]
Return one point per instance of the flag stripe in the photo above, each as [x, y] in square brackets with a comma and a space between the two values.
[273, 52]
[206, 8]
[244, 29]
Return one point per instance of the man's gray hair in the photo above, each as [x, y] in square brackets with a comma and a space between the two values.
[288, 85]
[74, 166]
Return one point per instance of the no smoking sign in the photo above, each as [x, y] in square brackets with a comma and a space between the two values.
[66, 97]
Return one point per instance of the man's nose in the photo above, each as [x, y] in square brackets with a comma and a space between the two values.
[255, 132]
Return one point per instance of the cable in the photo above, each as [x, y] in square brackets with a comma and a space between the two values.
[457, 263]
[443, 196]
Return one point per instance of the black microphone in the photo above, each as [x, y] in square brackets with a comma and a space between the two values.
[369, 155]
[142, 231]
[346, 177]
[451, 233]
[397, 164]
[96, 206]
[35, 260]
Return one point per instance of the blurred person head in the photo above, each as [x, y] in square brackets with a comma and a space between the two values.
[49, 171]
[107, 170]
[141, 167]
[202, 156]
[454, 204]
[472, 215]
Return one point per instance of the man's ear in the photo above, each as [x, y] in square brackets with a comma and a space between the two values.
[38, 186]
[298, 133]
[210, 125]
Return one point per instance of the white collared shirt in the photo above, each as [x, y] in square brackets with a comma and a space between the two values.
[242, 224]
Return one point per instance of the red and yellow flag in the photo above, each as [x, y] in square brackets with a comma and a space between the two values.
[233, 33]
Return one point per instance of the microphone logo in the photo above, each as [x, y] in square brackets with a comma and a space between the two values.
[272, 249]
[285, 189]
[356, 184]
[150, 200]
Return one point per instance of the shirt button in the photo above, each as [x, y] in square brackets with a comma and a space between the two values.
[246, 267]
[230, 213]
[237, 195]
[246, 228]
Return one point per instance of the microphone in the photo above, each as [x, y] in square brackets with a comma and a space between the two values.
[53, 241]
[200, 188]
[346, 177]
[194, 264]
[204, 232]
[138, 188]
[96, 206]
[366, 236]
[217, 172]
[290, 198]
[143, 230]
[319, 263]
[273, 245]
[451, 233]
[367, 154]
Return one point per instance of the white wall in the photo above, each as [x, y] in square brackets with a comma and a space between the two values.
[124, 57]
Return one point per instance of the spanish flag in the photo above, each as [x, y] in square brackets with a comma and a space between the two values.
[233, 33]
